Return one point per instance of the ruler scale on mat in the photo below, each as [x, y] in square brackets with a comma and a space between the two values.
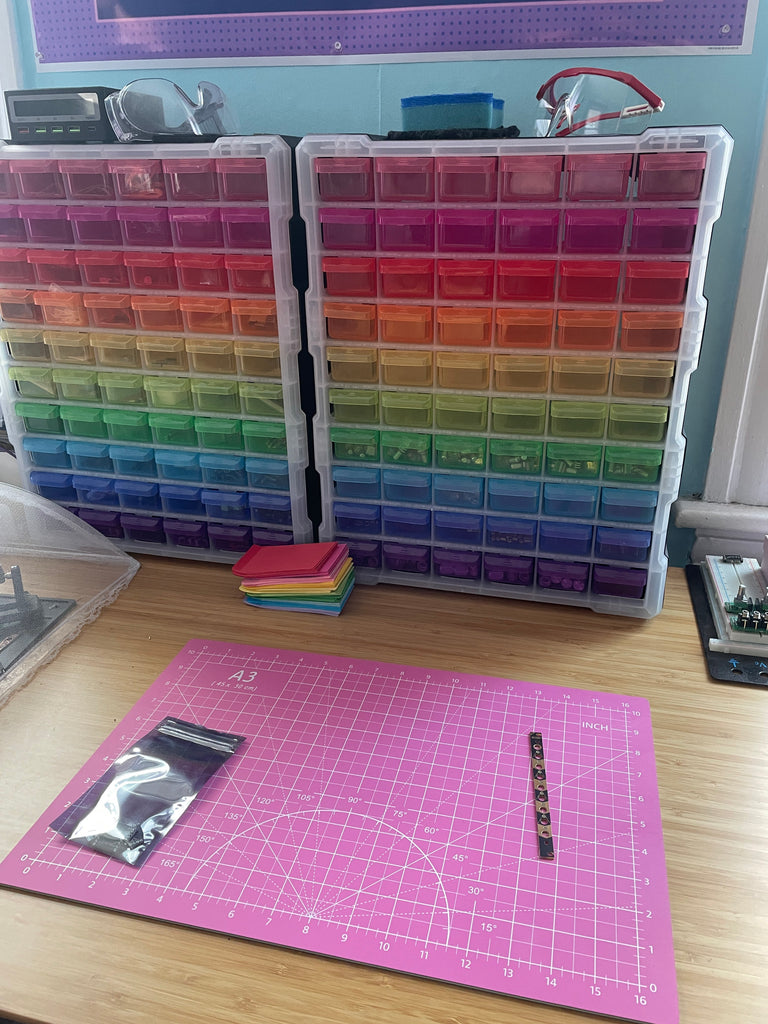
[384, 814]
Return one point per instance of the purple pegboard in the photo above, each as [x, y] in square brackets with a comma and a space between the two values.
[81, 31]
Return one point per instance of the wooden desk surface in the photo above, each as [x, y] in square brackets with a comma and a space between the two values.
[80, 965]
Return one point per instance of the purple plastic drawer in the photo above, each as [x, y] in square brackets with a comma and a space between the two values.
[47, 225]
[514, 570]
[185, 534]
[466, 230]
[12, 227]
[246, 228]
[142, 529]
[144, 226]
[271, 538]
[199, 227]
[666, 232]
[594, 230]
[571, 576]
[226, 537]
[406, 230]
[105, 522]
[406, 557]
[463, 565]
[95, 225]
[366, 554]
[529, 231]
[615, 582]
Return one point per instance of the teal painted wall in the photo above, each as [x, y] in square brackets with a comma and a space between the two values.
[713, 89]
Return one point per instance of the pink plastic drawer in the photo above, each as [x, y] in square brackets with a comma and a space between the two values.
[466, 179]
[14, 268]
[465, 279]
[206, 314]
[407, 279]
[530, 179]
[151, 271]
[12, 227]
[602, 176]
[411, 230]
[466, 230]
[407, 179]
[139, 180]
[87, 179]
[201, 271]
[95, 225]
[109, 310]
[64, 309]
[656, 283]
[250, 273]
[529, 231]
[47, 225]
[344, 179]
[192, 179]
[243, 179]
[102, 269]
[589, 330]
[19, 306]
[196, 227]
[245, 228]
[348, 321]
[350, 275]
[8, 188]
[157, 312]
[673, 177]
[37, 179]
[589, 280]
[144, 226]
[55, 267]
[524, 328]
[347, 229]
[595, 230]
[526, 280]
[663, 232]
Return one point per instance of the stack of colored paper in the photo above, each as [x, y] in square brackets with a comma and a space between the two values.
[297, 577]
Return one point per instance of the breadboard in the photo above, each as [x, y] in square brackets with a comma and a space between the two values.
[383, 814]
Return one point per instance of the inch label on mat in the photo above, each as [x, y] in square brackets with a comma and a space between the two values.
[382, 814]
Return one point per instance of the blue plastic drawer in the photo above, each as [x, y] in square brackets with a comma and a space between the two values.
[458, 528]
[356, 482]
[270, 508]
[628, 506]
[513, 495]
[90, 457]
[565, 538]
[225, 504]
[407, 522]
[623, 545]
[173, 465]
[407, 485]
[95, 490]
[354, 518]
[46, 452]
[133, 461]
[414, 558]
[143, 529]
[54, 486]
[459, 491]
[137, 494]
[267, 474]
[570, 500]
[508, 532]
[223, 470]
[181, 500]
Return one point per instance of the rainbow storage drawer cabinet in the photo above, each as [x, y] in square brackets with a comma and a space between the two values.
[503, 334]
[150, 335]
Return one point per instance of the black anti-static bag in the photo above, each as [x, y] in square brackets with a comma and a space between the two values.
[146, 790]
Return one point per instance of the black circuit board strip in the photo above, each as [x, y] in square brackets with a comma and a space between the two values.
[541, 798]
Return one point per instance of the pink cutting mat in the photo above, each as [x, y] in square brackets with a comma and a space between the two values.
[384, 813]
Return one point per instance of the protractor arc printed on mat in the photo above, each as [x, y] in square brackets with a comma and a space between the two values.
[384, 814]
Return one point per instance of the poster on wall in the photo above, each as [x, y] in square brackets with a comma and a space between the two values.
[99, 32]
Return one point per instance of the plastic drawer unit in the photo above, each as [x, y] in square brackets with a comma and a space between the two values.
[149, 341]
[502, 333]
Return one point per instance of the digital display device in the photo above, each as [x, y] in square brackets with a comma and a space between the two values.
[58, 115]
